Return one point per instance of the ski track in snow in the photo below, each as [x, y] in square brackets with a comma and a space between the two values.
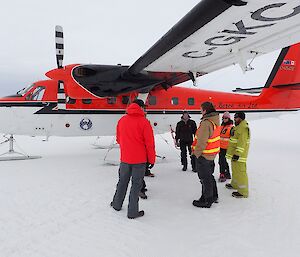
[59, 205]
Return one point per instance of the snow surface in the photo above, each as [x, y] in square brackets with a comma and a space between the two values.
[58, 206]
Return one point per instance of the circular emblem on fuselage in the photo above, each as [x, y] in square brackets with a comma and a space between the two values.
[86, 124]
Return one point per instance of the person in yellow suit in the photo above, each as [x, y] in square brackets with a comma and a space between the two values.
[237, 152]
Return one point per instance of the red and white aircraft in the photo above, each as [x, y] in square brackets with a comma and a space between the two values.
[87, 100]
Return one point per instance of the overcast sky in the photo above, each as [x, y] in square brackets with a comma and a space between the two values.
[100, 32]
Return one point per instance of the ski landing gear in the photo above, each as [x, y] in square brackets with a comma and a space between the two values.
[12, 155]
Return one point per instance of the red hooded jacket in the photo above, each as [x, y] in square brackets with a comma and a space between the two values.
[135, 137]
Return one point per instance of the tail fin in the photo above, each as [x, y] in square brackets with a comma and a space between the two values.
[282, 89]
[286, 71]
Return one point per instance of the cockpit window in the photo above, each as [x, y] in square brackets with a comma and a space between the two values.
[23, 91]
[37, 94]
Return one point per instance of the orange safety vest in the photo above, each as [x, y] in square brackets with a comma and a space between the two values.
[213, 142]
[225, 136]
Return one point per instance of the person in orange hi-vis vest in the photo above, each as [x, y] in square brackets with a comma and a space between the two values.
[226, 127]
[205, 147]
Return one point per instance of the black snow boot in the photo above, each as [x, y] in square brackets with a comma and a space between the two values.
[140, 214]
[229, 186]
[237, 195]
[143, 195]
[215, 199]
[205, 203]
[112, 205]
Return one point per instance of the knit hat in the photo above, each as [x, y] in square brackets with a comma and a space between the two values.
[186, 113]
[208, 107]
[240, 115]
[226, 115]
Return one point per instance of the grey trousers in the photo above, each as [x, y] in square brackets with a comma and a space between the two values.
[126, 171]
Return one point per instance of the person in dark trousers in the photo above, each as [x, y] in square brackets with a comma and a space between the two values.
[226, 126]
[136, 140]
[148, 173]
[143, 191]
[185, 131]
[205, 147]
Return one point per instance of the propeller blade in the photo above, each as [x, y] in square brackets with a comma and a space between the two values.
[59, 45]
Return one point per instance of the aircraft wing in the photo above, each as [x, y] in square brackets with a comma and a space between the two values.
[218, 33]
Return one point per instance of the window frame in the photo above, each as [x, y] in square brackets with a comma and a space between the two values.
[175, 100]
[152, 100]
[193, 100]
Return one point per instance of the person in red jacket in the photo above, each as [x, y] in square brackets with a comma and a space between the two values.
[136, 140]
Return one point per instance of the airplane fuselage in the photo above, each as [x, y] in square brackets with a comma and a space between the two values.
[37, 115]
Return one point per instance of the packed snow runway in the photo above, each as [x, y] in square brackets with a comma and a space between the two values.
[58, 206]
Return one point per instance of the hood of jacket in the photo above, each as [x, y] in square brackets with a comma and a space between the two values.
[243, 124]
[213, 116]
[135, 110]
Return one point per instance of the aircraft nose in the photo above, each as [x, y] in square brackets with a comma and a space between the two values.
[56, 74]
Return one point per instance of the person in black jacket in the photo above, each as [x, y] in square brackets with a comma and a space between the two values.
[185, 131]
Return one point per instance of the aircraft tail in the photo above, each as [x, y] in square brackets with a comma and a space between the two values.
[283, 85]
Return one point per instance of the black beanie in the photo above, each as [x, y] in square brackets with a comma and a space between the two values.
[241, 115]
[139, 102]
[186, 113]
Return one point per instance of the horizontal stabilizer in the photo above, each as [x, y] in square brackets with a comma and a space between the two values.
[253, 90]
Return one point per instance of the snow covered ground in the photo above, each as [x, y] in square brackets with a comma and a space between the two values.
[58, 206]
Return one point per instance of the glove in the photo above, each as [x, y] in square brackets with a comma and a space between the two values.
[150, 166]
[235, 157]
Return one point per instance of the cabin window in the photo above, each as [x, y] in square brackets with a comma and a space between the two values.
[125, 99]
[152, 100]
[86, 101]
[37, 94]
[71, 100]
[111, 100]
[191, 101]
[23, 91]
[175, 101]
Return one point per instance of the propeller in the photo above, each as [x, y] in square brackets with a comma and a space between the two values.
[59, 45]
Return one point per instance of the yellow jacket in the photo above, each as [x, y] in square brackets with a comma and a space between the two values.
[239, 142]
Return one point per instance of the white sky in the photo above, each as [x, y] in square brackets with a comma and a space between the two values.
[101, 32]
